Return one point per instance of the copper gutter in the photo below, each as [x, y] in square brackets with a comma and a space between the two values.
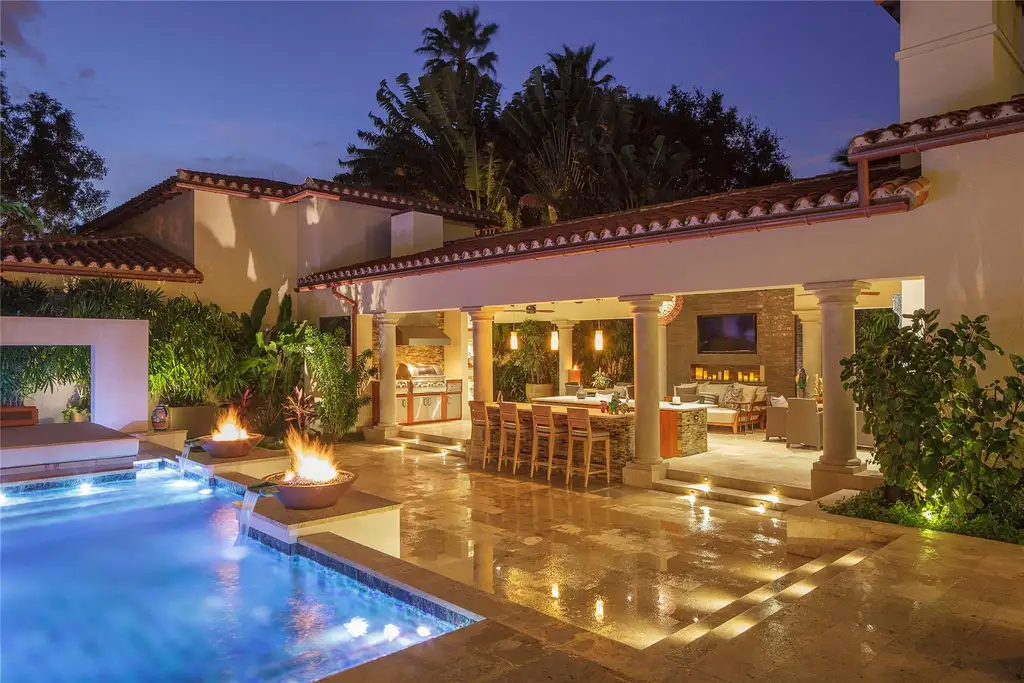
[882, 207]
[355, 316]
[942, 139]
[863, 184]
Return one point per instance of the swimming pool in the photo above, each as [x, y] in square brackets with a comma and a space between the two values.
[141, 581]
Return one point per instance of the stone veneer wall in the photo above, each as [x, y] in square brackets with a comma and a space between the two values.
[411, 354]
[692, 432]
[776, 335]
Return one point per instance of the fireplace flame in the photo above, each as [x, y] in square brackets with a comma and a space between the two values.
[229, 427]
[312, 461]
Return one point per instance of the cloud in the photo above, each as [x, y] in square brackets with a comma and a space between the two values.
[13, 16]
[87, 72]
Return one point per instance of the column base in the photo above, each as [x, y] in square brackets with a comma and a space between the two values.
[644, 474]
[827, 478]
[380, 433]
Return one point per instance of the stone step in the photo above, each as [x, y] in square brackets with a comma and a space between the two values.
[704, 635]
[758, 501]
[420, 444]
[679, 472]
[433, 438]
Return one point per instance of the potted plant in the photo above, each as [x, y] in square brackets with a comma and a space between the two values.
[537, 358]
[600, 380]
[77, 409]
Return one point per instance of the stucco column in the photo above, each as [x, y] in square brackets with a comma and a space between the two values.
[647, 466]
[483, 351]
[388, 369]
[662, 361]
[837, 301]
[565, 328]
[811, 323]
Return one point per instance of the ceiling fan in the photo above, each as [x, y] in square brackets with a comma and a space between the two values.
[531, 309]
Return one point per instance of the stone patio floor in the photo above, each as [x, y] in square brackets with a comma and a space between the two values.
[623, 584]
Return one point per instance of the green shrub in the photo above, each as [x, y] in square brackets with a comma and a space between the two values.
[189, 346]
[956, 444]
[341, 389]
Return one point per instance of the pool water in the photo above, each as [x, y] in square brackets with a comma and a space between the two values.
[142, 581]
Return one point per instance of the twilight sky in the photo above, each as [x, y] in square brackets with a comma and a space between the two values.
[277, 89]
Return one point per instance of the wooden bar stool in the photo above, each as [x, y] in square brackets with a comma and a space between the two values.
[581, 430]
[479, 419]
[544, 426]
[511, 426]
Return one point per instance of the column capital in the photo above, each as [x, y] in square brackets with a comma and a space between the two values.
[643, 303]
[481, 313]
[809, 315]
[383, 318]
[563, 325]
[838, 291]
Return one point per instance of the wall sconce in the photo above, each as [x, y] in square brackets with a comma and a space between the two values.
[599, 340]
[554, 340]
[513, 340]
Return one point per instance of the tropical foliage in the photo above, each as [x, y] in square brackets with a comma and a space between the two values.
[341, 389]
[568, 143]
[47, 175]
[953, 444]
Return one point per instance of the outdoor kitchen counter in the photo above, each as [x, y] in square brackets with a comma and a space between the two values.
[619, 426]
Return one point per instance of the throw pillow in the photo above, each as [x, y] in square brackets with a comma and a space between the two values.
[690, 388]
[708, 399]
[748, 391]
[733, 396]
[760, 394]
[778, 402]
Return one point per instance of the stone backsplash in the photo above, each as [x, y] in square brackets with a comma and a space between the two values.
[410, 354]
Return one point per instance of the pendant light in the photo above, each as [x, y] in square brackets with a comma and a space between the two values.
[513, 338]
[554, 340]
[599, 340]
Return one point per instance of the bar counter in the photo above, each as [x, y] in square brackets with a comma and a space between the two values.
[683, 431]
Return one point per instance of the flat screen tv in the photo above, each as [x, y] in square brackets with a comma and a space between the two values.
[730, 333]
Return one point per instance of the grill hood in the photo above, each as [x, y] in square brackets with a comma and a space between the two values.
[421, 335]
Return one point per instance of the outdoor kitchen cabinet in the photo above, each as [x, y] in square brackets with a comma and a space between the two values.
[422, 396]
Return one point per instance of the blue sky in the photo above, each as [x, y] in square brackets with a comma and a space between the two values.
[277, 89]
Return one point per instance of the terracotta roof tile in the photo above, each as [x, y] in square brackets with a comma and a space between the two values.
[131, 257]
[821, 198]
[988, 120]
[275, 190]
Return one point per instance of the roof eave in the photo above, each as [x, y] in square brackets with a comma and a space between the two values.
[889, 205]
[89, 271]
[935, 140]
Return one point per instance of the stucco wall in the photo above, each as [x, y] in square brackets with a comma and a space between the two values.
[120, 361]
[967, 242]
[168, 225]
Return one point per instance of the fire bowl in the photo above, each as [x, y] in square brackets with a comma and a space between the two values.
[229, 449]
[311, 496]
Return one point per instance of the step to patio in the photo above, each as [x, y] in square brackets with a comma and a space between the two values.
[433, 438]
[704, 635]
[768, 501]
[421, 444]
[683, 474]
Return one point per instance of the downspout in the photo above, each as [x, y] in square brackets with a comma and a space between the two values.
[355, 317]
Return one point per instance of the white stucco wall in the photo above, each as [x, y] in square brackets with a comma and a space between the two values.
[967, 243]
[120, 361]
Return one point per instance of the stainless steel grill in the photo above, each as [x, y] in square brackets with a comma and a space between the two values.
[425, 378]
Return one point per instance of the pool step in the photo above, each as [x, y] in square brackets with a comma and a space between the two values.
[768, 501]
[679, 471]
[704, 635]
[434, 438]
[429, 446]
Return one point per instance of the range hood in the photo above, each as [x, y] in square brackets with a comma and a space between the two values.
[421, 335]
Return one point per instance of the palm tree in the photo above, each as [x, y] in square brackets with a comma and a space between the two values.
[579, 61]
[839, 157]
[460, 41]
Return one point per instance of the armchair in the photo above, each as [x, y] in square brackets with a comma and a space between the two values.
[803, 423]
[775, 419]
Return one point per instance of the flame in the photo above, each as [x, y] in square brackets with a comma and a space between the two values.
[228, 428]
[311, 460]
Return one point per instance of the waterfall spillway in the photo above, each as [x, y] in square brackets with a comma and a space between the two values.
[183, 458]
[245, 515]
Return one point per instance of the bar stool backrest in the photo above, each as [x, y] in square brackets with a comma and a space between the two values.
[542, 418]
[579, 421]
[509, 415]
[478, 414]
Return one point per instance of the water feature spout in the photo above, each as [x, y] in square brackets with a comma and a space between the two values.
[186, 451]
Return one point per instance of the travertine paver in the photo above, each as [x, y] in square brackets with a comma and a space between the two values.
[927, 607]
